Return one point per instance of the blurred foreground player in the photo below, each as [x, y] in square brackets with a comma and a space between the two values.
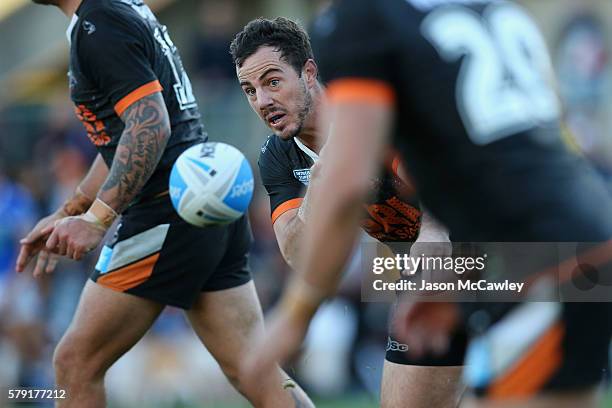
[464, 89]
[135, 100]
[279, 77]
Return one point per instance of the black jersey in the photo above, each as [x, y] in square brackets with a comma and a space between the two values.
[391, 213]
[477, 118]
[120, 53]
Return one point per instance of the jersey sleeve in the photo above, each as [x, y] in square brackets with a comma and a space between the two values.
[285, 191]
[116, 53]
[353, 48]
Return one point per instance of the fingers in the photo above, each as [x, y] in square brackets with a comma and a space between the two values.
[26, 253]
[52, 263]
[48, 229]
[75, 252]
[41, 263]
[32, 236]
[46, 263]
[62, 248]
[36, 234]
[53, 241]
[30, 245]
[24, 257]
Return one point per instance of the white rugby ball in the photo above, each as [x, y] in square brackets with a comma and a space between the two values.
[211, 183]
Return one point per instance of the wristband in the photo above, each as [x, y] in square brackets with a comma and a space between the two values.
[78, 204]
[101, 214]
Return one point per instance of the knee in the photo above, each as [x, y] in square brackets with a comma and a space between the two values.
[72, 363]
[233, 375]
[239, 381]
[63, 359]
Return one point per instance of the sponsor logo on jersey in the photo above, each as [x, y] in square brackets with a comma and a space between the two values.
[89, 27]
[303, 175]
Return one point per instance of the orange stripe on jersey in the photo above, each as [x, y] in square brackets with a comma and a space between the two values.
[532, 372]
[129, 276]
[395, 166]
[286, 206]
[361, 90]
[135, 95]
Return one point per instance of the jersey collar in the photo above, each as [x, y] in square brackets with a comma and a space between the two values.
[73, 23]
[306, 149]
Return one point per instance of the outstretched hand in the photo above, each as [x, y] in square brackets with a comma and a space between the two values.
[426, 327]
[74, 236]
[34, 244]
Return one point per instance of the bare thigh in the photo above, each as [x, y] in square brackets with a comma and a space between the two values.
[106, 325]
[228, 321]
[420, 386]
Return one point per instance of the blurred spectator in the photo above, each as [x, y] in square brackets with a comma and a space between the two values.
[218, 23]
[68, 167]
[63, 130]
[583, 65]
[21, 323]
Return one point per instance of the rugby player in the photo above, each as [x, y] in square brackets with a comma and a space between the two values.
[279, 77]
[464, 89]
[136, 102]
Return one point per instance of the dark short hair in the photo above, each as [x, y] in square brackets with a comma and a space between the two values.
[281, 33]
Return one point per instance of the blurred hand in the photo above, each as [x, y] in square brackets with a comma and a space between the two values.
[429, 248]
[426, 327]
[74, 236]
[34, 244]
[433, 245]
[280, 341]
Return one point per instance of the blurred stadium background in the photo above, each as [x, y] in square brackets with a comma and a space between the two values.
[44, 152]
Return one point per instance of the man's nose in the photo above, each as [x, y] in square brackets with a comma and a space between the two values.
[264, 99]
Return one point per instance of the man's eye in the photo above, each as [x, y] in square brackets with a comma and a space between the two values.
[274, 82]
[249, 91]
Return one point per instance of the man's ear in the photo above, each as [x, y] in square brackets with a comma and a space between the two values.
[310, 72]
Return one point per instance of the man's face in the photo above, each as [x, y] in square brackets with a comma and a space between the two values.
[275, 91]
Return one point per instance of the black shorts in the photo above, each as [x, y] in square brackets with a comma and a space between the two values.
[541, 347]
[156, 255]
[396, 352]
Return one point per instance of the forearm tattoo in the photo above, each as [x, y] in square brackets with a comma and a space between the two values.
[147, 129]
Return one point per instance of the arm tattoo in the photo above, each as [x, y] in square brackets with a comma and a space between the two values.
[147, 130]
